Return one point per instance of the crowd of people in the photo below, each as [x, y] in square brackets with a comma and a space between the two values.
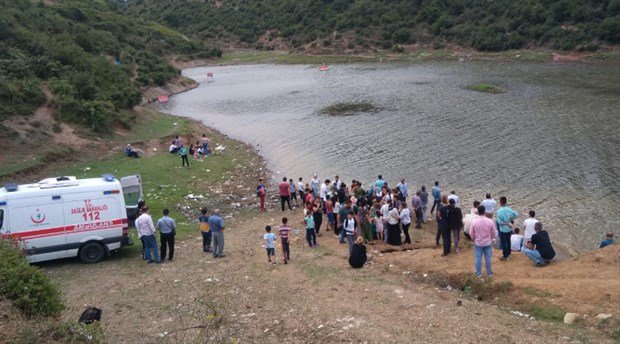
[196, 150]
[359, 216]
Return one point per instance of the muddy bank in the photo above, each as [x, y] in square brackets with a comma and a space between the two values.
[177, 85]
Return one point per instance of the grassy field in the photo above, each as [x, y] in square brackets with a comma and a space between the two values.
[165, 183]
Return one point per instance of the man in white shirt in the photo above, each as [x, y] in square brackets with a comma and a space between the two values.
[489, 204]
[457, 200]
[323, 192]
[146, 229]
[528, 226]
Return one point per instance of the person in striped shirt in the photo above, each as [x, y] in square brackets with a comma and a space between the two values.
[284, 235]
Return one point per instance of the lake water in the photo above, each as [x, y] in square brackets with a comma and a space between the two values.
[549, 143]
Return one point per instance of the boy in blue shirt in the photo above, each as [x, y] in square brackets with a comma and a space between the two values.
[270, 244]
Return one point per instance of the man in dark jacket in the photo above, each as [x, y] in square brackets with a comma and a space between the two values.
[455, 218]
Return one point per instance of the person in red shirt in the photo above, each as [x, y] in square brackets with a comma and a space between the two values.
[309, 199]
[285, 194]
[261, 192]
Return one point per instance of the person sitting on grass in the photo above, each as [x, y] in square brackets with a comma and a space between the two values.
[516, 241]
[609, 240]
[173, 148]
[131, 152]
[539, 249]
[358, 257]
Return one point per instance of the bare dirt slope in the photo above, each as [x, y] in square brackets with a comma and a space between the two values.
[315, 298]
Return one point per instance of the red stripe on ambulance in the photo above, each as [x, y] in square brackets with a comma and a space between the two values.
[70, 229]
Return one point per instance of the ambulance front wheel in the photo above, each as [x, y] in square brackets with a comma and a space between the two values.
[92, 252]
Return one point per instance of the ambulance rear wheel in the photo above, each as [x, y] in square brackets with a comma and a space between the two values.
[91, 253]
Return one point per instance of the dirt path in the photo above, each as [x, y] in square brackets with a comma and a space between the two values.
[315, 298]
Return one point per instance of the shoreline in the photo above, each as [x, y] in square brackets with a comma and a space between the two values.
[240, 57]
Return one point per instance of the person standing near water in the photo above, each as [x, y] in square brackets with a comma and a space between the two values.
[455, 217]
[424, 199]
[385, 215]
[436, 196]
[443, 225]
[489, 204]
[261, 193]
[183, 155]
[528, 227]
[405, 221]
[293, 192]
[483, 233]
[285, 194]
[350, 224]
[505, 217]
[416, 204]
[205, 144]
[315, 185]
[364, 217]
[394, 227]
[300, 189]
[310, 231]
[284, 235]
[457, 200]
[404, 190]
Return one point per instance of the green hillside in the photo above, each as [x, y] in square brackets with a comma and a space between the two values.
[486, 25]
[92, 58]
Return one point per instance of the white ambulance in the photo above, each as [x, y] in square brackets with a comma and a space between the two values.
[67, 217]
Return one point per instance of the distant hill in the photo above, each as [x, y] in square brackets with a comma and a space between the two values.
[92, 59]
[486, 25]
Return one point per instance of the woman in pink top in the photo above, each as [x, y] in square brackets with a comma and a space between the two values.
[483, 232]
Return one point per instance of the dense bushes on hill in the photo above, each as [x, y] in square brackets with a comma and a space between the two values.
[482, 24]
[72, 46]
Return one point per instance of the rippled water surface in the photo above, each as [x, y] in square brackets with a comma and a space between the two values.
[550, 143]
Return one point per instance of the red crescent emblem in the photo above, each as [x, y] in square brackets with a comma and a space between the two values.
[40, 215]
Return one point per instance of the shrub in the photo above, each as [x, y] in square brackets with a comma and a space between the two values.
[27, 286]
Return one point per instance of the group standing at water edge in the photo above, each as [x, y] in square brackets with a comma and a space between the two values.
[358, 216]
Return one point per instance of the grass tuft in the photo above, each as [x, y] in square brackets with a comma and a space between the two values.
[483, 87]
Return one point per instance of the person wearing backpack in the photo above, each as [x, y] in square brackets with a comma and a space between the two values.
[183, 154]
[166, 227]
[205, 230]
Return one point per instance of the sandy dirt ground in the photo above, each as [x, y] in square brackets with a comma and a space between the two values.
[317, 297]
